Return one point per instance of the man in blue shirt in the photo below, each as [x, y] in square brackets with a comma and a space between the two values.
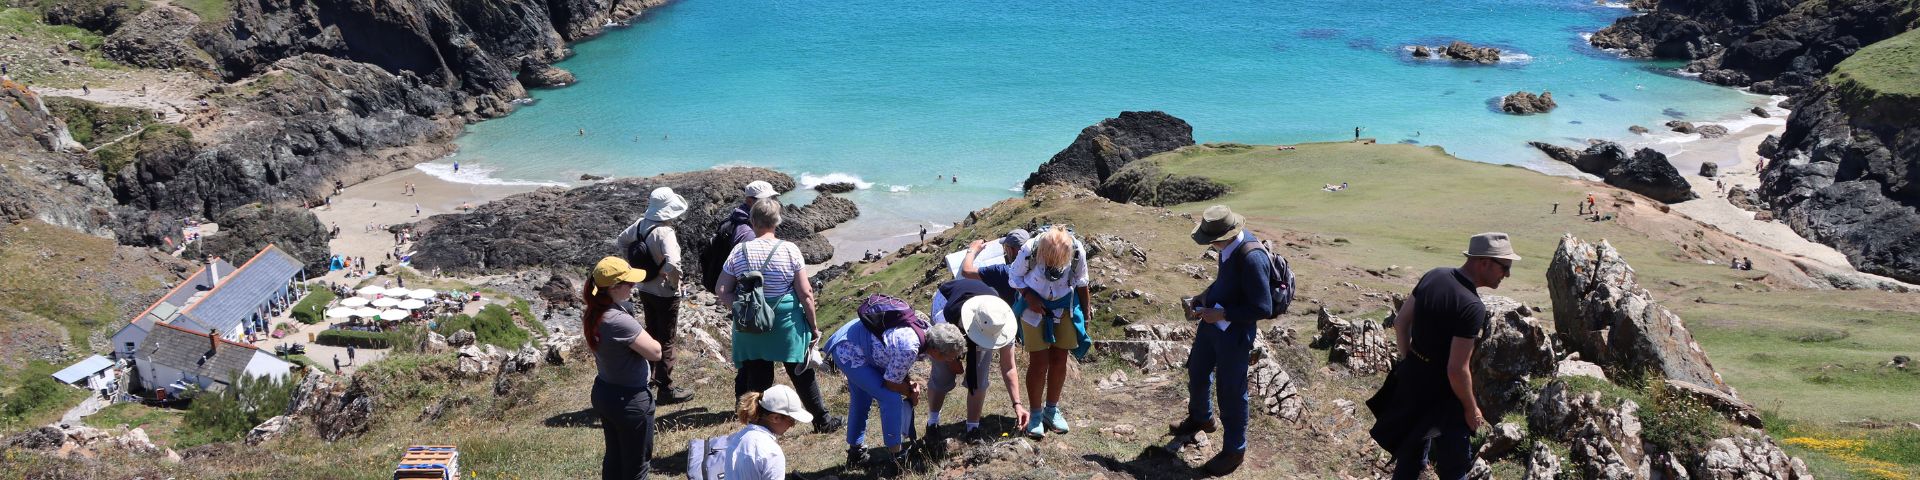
[1228, 313]
[996, 276]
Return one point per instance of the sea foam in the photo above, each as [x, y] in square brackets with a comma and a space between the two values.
[475, 175]
[808, 180]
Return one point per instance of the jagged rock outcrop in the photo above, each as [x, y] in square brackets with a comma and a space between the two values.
[314, 120]
[1739, 457]
[1600, 311]
[1603, 435]
[535, 74]
[246, 230]
[41, 175]
[1514, 349]
[1467, 52]
[1646, 172]
[835, 187]
[104, 16]
[1271, 389]
[1143, 183]
[336, 408]
[1526, 103]
[157, 38]
[1774, 46]
[1846, 173]
[268, 430]
[1102, 149]
[567, 229]
[1360, 347]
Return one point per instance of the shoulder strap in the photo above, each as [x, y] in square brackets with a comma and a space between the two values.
[770, 254]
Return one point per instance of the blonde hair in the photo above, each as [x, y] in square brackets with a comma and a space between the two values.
[1054, 247]
[748, 409]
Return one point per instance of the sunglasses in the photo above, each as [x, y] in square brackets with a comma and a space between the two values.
[1505, 266]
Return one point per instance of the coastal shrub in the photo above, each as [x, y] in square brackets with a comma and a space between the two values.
[354, 338]
[228, 414]
[312, 310]
[37, 393]
[155, 139]
[1678, 423]
[493, 325]
[92, 124]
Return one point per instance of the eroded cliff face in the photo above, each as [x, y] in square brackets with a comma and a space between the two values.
[1846, 173]
[42, 172]
[1772, 46]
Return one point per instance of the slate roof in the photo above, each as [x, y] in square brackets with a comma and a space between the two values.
[194, 354]
[240, 294]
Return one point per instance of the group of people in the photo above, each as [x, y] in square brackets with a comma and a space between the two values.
[1742, 263]
[1038, 302]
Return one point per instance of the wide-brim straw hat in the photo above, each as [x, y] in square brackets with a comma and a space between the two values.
[1491, 245]
[665, 206]
[1216, 224]
[989, 321]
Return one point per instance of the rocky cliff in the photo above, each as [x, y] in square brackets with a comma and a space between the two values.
[41, 175]
[1846, 172]
[1646, 172]
[1773, 46]
[566, 229]
[1103, 148]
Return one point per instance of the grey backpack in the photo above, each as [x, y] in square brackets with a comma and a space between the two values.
[707, 458]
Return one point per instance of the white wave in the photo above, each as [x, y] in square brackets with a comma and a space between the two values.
[808, 180]
[475, 175]
[1618, 5]
[1515, 57]
[899, 188]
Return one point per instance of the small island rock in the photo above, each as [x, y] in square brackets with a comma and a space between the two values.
[1526, 103]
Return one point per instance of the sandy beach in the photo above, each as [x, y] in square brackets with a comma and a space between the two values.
[363, 211]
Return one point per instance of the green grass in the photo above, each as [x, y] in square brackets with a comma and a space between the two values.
[493, 325]
[1883, 77]
[41, 266]
[159, 136]
[93, 123]
[27, 22]
[210, 11]
[35, 398]
[132, 415]
[312, 310]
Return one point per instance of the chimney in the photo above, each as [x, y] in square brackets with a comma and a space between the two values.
[213, 342]
[213, 271]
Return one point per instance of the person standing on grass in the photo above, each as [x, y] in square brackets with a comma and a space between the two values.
[621, 352]
[1051, 275]
[1426, 410]
[733, 230]
[1228, 312]
[652, 244]
[756, 452]
[794, 330]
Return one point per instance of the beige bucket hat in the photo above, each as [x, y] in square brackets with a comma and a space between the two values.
[1491, 244]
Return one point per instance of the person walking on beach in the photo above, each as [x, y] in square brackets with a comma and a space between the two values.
[416, 209]
[652, 244]
[1426, 410]
[733, 230]
[1228, 313]
[755, 452]
[1590, 204]
[923, 233]
[350, 352]
[793, 330]
[987, 321]
[1051, 275]
[877, 352]
[456, 166]
[621, 352]
[1356, 133]
[336, 363]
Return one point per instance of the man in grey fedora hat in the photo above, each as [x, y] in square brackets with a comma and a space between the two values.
[1227, 316]
[1426, 410]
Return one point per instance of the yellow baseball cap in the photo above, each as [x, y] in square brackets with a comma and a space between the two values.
[613, 270]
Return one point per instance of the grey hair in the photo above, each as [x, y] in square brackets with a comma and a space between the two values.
[946, 338]
[765, 213]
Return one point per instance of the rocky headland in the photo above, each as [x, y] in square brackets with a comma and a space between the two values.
[561, 229]
[1773, 46]
[1103, 148]
[1645, 171]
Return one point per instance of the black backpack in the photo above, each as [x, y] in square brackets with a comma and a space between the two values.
[1279, 271]
[640, 255]
[716, 254]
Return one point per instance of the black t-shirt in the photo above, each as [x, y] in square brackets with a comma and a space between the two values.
[1445, 307]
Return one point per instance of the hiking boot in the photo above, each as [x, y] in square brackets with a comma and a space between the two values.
[1055, 420]
[1224, 463]
[673, 395]
[857, 455]
[977, 436]
[1191, 426]
[827, 424]
[1036, 427]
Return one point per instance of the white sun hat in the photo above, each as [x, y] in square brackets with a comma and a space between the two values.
[989, 321]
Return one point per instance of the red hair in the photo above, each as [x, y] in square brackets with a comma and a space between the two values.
[598, 301]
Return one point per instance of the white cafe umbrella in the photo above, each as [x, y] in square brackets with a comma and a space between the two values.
[421, 294]
[396, 292]
[364, 312]
[395, 314]
[386, 302]
[371, 290]
[340, 312]
[411, 304]
[354, 302]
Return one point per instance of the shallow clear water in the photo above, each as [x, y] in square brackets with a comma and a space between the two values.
[898, 92]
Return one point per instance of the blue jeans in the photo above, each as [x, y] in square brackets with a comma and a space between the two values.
[864, 387]
[1451, 452]
[1223, 355]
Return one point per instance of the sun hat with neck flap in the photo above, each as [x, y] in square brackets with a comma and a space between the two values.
[614, 271]
[1217, 223]
[663, 205]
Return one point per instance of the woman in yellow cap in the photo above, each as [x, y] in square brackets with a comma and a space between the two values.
[621, 350]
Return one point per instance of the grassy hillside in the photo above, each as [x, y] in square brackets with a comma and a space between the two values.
[1884, 77]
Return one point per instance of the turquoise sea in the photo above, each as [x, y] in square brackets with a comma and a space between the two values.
[896, 93]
